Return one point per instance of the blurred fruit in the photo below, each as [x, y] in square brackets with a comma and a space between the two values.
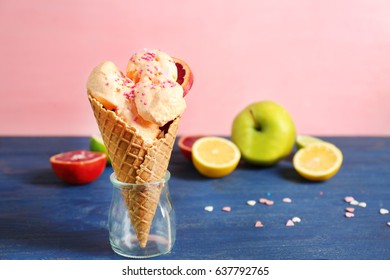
[215, 156]
[96, 144]
[264, 132]
[185, 77]
[78, 167]
[303, 141]
[185, 144]
[318, 161]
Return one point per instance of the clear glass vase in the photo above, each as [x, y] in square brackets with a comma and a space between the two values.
[130, 204]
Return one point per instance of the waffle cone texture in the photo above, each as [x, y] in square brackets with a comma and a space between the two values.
[134, 161]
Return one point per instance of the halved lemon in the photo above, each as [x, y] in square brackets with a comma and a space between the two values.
[215, 157]
[318, 161]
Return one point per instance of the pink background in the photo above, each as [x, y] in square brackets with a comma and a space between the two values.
[327, 62]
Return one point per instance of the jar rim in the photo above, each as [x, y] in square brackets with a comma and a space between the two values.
[118, 184]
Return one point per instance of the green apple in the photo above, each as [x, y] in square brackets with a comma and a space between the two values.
[264, 132]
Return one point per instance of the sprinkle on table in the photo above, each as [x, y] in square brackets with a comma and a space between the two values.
[226, 209]
[290, 223]
[362, 204]
[350, 209]
[269, 202]
[354, 202]
[259, 224]
[262, 200]
[287, 200]
[348, 199]
[388, 224]
[266, 201]
[383, 211]
[251, 202]
[209, 208]
[296, 220]
[349, 215]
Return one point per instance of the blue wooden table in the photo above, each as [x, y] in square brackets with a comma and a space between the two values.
[43, 218]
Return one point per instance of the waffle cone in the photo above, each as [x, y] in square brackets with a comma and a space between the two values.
[134, 161]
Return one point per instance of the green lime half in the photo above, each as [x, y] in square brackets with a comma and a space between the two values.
[96, 144]
[303, 141]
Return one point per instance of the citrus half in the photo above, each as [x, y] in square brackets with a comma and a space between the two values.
[215, 156]
[318, 161]
[185, 77]
[78, 167]
[185, 144]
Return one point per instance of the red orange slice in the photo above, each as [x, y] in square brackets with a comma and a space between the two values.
[78, 167]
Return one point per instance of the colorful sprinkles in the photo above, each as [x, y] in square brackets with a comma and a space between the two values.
[266, 201]
[349, 211]
[259, 224]
[290, 223]
[226, 209]
[251, 202]
[349, 215]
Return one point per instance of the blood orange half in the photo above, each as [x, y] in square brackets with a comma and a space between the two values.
[185, 77]
[185, 144]
[78, 167]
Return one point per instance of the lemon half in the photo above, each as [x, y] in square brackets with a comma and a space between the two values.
[318, 161]
[215, 156]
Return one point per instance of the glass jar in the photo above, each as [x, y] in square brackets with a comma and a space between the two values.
[123, 237]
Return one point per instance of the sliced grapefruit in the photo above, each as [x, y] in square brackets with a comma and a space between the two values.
[185, 144]
[78, 167]
[185, 77]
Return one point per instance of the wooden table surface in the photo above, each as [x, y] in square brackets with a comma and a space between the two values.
[43, 218]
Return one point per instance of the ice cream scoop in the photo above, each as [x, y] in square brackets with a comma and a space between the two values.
[152, 64]
[107, 83]
[147, 98]
[159, 103]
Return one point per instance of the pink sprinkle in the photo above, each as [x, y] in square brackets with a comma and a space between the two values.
[348, 199]
[263, 200]
[129, 95]
[290, 223]
[350, 209]
[349, 215]
[287, 200]
[226, 209]
[321, 193]
[107, 84]
[260, 224]
[269, 202]
[145, 103]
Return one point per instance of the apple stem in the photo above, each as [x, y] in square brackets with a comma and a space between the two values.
[257, 125]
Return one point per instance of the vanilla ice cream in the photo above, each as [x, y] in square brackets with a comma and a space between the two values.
[147, 98]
